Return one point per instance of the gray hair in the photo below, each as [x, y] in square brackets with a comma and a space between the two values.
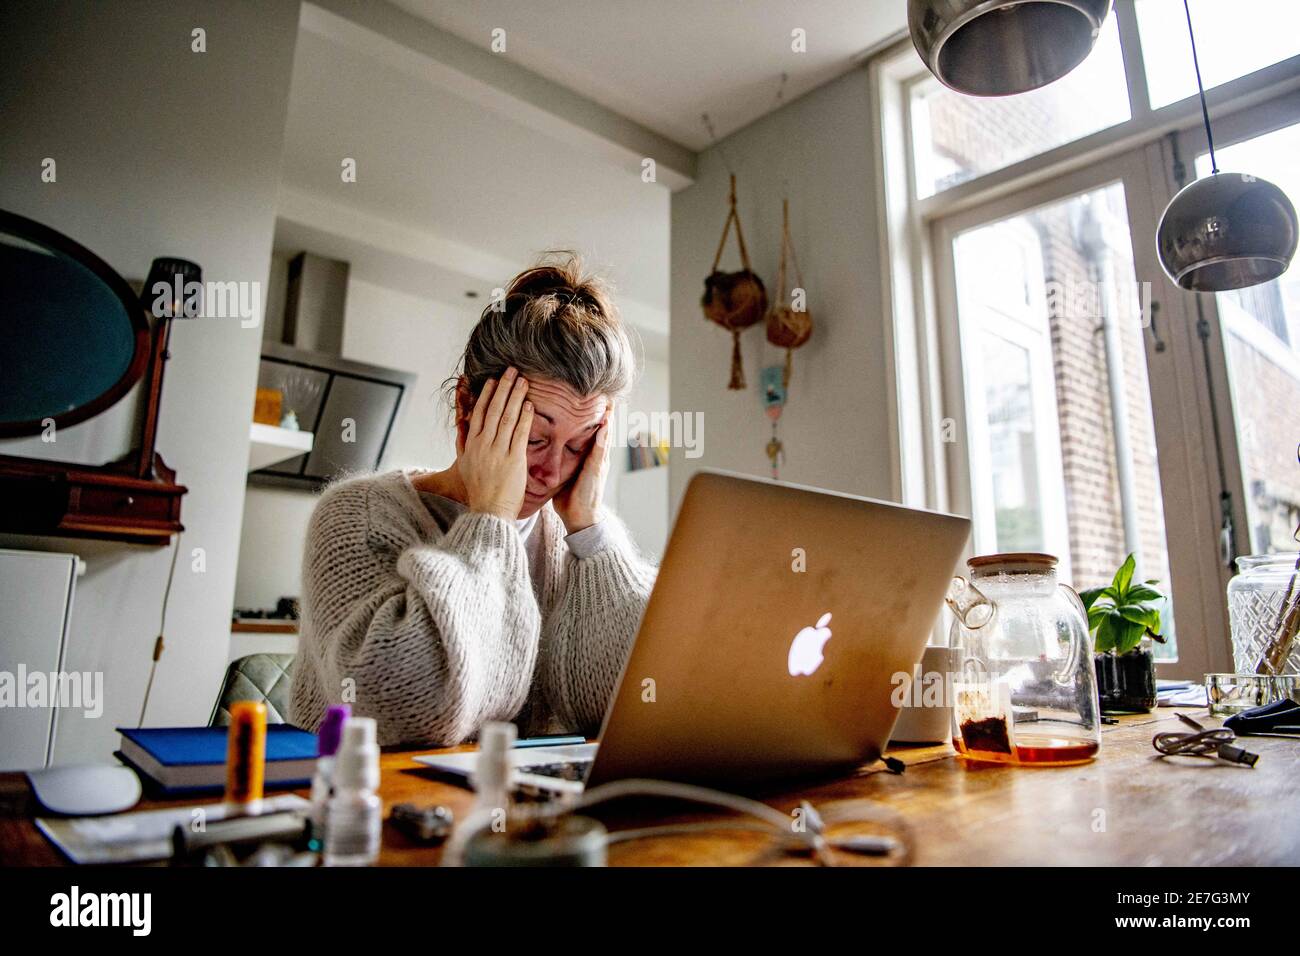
[558, 322]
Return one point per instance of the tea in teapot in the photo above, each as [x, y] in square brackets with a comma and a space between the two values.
[1025, 689]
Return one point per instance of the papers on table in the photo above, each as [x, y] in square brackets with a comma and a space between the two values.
[1180, 693]
[143, 834]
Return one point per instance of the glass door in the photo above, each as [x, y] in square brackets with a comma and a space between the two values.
[1063, 402]
[1017, 480]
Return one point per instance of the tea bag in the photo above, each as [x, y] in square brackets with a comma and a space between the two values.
[984, 717]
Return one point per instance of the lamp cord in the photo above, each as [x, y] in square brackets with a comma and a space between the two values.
[158, 643]
[1205, 110]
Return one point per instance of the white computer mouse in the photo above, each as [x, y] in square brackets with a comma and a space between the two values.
[86, 790]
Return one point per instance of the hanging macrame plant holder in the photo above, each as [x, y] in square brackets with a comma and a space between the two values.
[787, 327]
[734, 300]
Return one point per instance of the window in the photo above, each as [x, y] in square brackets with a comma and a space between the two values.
[957, 138]
[1015, 459]
[1050, 381]
[1014, 447]
[1261, 335]
[1062, 451]
[1233, 38]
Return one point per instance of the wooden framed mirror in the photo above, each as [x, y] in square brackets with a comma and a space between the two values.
[74, 341]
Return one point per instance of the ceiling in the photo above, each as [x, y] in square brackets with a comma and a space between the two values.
[470, 163]
[665, 62]
[449, 197]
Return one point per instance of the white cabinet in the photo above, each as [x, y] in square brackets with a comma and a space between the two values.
[36, 589]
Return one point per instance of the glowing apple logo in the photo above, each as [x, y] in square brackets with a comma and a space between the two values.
[806, 648]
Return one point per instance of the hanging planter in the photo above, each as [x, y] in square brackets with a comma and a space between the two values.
[787, 327]
[734, 300]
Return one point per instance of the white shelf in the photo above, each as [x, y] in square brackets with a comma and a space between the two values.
[269, 444]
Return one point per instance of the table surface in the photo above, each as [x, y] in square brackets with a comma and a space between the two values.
[1128, 807]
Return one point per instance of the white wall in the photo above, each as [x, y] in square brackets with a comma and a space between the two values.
[835, 426]
[641, 498]
[383, 327]
[160, 151]
[457, 189]
[393, 329]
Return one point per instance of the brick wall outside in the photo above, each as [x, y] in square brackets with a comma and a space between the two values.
[1269, 395]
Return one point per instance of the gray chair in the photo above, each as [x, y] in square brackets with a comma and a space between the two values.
[263, 677]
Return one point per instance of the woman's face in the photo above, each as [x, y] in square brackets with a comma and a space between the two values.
[564, 429]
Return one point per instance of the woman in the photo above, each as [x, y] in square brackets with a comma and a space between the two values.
[434, 601]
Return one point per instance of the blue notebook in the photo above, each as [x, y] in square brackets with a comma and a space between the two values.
[193, 759]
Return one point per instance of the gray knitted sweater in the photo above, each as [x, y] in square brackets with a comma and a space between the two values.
[434, 628]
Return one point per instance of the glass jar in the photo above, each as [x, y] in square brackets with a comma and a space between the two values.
[1025, 691]
[1264, 610]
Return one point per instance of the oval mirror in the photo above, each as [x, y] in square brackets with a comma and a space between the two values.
[73, 336]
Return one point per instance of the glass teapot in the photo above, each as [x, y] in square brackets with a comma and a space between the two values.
[1025, 689]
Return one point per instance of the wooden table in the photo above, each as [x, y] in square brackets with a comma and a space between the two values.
[1129, 807]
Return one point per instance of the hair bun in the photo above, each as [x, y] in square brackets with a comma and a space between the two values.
[542, 280]
[563, 277]
[559, 322]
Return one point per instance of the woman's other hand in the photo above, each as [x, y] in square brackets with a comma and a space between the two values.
[493, 451]
[578, 502]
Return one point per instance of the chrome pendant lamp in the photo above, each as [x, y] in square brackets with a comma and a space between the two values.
[1226, 231]
[1001, 47]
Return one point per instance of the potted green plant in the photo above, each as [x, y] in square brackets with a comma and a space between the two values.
[1124, 618]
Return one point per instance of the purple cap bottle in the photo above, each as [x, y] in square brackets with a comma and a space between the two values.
[331, 730]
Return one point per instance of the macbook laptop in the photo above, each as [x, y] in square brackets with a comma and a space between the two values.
[771, 642]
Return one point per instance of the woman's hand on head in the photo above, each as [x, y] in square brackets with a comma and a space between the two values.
[492, 450]
[578, 502]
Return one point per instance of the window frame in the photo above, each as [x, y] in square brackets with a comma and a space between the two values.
[926, 385]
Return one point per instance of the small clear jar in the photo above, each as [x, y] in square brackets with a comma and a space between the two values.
[1026, 690]
[1264, 611]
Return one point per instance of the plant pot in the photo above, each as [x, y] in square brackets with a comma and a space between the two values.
[1126, 683]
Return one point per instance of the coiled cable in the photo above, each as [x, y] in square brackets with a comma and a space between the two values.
[1217, 743]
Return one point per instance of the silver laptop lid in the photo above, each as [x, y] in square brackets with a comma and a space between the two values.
[779, 618]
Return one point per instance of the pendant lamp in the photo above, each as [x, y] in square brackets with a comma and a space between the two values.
[1001, 47]
[1226, 231]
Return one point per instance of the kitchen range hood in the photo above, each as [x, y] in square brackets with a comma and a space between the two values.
[351, 407]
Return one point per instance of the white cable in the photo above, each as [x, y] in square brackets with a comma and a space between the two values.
[622, 836]
[781, 827]
[662, 788]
